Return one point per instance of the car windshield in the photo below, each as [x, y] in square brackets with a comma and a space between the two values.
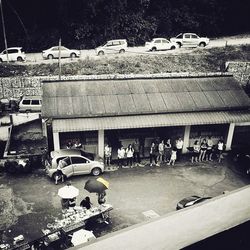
[179, 36]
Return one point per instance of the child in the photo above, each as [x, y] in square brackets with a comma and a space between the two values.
[173, 156]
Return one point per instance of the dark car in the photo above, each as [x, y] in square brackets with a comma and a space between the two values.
[190, 201]
[241, 157]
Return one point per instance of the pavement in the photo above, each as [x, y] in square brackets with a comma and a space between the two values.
[29, 202]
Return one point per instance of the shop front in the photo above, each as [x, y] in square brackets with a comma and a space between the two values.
[96, 112]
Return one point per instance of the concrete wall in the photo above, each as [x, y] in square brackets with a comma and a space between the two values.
[14, 87]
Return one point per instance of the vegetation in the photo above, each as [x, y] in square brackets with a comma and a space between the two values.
[200, 60]
[38, 25]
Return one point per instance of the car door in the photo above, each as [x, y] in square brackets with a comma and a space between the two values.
[35, 105]
[108, 48]
[165, 44]
[12, 53]
[55, 52]
[81, 165]
[186, 40]
[67, 169]
[64, 52]
[194, 40]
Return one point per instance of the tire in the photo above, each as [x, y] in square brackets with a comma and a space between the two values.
[173, 47]
[202, 44]
[122, 51]
[179, 44]
[101, 53]
[96, 171]
[56, 175]
[73, 55]
[1, 60]
[153, 49]
[11, 167]
[19, 59]
[50, 56]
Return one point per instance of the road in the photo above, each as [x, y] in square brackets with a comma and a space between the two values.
[33, 58]
[30, 202]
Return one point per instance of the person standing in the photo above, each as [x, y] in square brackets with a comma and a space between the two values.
[130, 155]
[152, 154]
[220, 148]
[78, 144]
[179, 146]
[196, 152]
[101, 197]
[107, 154]
[69, 144]
[136, 147]
[161, 152]
[167, 150]
[203, 150]
[59, 174]
[121, 156]
[173, 156]
[209, 152]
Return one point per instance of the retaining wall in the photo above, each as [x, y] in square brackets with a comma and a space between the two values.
[240, 70]
[15, 87]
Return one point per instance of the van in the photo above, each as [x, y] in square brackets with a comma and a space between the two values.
[30, 104]
[112, 46]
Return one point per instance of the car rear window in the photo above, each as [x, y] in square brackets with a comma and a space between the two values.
[35, 102]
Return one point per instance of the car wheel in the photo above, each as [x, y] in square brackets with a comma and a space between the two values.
[96, 171]
[1, 60]
[122, 51]
[73, 55]
[179, 44]
[19, 59]
[50, 56]
[173, 47]
[202, 44]
[101, 53]
[153, 49]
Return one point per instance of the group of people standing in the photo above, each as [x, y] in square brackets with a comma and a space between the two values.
[159, 152]
[126, 156]
[165, 151]
[206, 150]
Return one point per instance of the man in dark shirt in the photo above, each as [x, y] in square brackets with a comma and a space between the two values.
[86, 203]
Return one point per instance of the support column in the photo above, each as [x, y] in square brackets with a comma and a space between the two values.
[101, 143]
[230, 136]
[186, 139]
[56, 140]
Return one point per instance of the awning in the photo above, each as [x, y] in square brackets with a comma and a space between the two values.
[152, 120]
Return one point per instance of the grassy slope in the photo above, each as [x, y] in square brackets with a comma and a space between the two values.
[200, 60]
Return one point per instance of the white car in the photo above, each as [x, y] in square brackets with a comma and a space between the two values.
[14, 54]
[112, 46]
[190, 40]
[78, 163]
[160, 44]
[53, 52]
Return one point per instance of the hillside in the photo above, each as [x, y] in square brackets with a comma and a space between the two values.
[199, 60]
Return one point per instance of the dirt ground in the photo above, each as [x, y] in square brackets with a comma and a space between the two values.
[30, 202]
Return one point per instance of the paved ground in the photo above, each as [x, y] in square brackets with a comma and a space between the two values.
[29, 202]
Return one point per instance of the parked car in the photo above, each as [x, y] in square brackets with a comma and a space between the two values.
[79, 163]
[14, 54]
[190, 40]
[30, 104]
[112, 46]
[9, 105]
[53, 52]
[160, 44]
[190, 201]
[241, 156]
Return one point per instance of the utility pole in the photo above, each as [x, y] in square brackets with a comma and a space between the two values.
[59, 60]
[4, 34]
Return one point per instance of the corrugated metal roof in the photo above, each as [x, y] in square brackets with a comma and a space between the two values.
[152, 120]
[95, 98]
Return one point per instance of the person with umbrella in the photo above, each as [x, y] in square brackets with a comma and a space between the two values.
[68, 194]
[98, 186]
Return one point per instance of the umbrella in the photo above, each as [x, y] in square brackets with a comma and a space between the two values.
[96, 185]
[68, 192]
[81, 236]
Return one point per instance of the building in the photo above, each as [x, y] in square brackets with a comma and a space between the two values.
[121, 110]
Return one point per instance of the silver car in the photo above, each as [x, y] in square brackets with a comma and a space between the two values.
[53, 52]
[78, 163]
[112, 46]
